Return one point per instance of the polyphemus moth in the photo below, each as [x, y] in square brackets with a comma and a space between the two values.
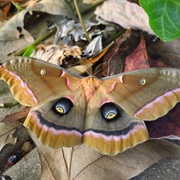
[69, 109]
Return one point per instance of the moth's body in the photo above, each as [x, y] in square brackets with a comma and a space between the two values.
[90, 85]
[102, 113]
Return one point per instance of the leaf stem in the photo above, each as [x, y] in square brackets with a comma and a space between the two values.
[36, 42]
[81, 20]
[113, 37]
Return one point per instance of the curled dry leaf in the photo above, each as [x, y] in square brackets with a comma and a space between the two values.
[70, 29]
[15, 26]
[55, 54]
[6, 132]
[94, 47]
[126, 14]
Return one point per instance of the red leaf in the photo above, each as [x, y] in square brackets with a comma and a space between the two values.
[167, 126]
[138, 59]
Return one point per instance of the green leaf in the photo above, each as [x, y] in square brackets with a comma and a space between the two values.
[29, 50]
[164, 17]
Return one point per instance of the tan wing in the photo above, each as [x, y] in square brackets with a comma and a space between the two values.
[113, 135]
[56, 129]
[35, 82]
[144, 94]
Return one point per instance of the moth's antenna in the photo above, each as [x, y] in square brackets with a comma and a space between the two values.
[95, 59]
[88, 66]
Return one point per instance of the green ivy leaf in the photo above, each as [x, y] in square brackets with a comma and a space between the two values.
[163, 17]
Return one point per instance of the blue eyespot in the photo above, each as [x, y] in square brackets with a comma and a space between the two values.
[63, 106]
[109, 111]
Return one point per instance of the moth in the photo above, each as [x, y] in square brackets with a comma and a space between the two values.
[106, 114]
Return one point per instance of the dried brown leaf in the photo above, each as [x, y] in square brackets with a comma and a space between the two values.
[15, 26]
[20, 113]
[138, 59]
[55, 54]
[6, 132]
[126, 14]
[113, 61]
[115, 58]
[82, 162]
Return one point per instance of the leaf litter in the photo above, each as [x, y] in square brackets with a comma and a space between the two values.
[81, 162]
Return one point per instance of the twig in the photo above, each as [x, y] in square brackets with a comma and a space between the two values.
[81, 20]
[113, 37]
[36, 42]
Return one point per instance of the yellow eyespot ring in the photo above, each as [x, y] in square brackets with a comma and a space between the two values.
[143, 81]
[111, 116]
[60, 110]
[42, 72]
